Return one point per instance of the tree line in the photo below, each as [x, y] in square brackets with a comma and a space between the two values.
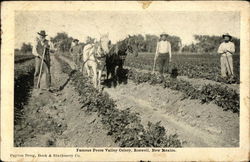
[208, 44]
[204, 43]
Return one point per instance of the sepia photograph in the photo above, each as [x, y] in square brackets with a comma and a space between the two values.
[126, 80]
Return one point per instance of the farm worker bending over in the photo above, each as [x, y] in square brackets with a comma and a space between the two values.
[163, 53]
[226, 49]
[75, 52]
[41, 49]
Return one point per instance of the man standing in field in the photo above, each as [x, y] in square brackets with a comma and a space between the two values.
[75, 52]
[226, 50]
[41, 51]
[163, 53]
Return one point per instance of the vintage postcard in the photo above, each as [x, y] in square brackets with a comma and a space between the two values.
[125, 81]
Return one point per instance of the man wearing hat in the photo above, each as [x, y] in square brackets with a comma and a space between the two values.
[75, 52]
[163, 52]
[41, 50]
[226, 50]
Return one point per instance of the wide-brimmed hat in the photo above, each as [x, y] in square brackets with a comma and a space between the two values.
[42, 33]
[226, 35]
[162, 34]
[75, 40]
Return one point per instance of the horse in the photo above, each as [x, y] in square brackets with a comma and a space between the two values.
[116, 57]
[94, 57]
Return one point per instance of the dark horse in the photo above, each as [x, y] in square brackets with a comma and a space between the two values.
[115, 59]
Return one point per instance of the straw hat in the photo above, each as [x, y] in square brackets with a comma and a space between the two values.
[226, 35]
[162, 34]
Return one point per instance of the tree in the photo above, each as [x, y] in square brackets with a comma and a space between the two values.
[62, 41]
[26, 48]
[151, 42]
[208, 44]
[175, 42]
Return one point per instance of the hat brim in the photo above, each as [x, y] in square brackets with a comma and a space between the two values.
[42, 34]
[163, 35]
[226, 35]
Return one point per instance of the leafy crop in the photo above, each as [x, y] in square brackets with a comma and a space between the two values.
[23, 80]
[123, 126]
[222, 96]
[23, 58]
[192, 66]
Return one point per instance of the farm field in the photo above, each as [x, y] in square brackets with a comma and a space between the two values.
[191, 65]
[153, 103]
[23, 58]
[23, 81]
[143, 112]
[49, 119]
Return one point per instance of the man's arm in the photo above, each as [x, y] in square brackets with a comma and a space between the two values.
[70, 51]
[220, 49]
[231, 48]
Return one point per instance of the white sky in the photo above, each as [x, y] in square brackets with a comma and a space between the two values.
[79, 24]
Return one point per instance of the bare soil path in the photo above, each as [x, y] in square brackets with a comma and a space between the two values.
[56, 119]
[200, 125]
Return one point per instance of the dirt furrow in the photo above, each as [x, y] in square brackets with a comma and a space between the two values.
[200, 125]
[56, 119]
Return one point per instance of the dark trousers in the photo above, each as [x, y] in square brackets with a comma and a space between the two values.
[45, 70]
[163, 62]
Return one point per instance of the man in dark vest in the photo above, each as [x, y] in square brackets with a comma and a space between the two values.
[41, 47]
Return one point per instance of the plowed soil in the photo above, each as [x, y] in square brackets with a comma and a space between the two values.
[56, 119]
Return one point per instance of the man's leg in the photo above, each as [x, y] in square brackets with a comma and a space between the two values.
[74, 60]
[79, 61]
[167, 64]
[164, 62]
[37, 70]
[160, 64]
[223, 66]
[229, 65]
[47, 75]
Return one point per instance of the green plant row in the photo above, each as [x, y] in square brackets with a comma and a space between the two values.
[23, 58]
[192, 66]
[123, 126]
[222, 96]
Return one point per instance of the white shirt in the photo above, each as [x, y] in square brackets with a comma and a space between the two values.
[225, 47]
[163, 47]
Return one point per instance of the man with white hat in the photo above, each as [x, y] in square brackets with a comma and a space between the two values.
[41, 50]
[163, 53]
[226, 50]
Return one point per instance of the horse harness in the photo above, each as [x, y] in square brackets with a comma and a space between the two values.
[102, 55]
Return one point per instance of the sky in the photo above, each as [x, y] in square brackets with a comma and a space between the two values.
[118, 24]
